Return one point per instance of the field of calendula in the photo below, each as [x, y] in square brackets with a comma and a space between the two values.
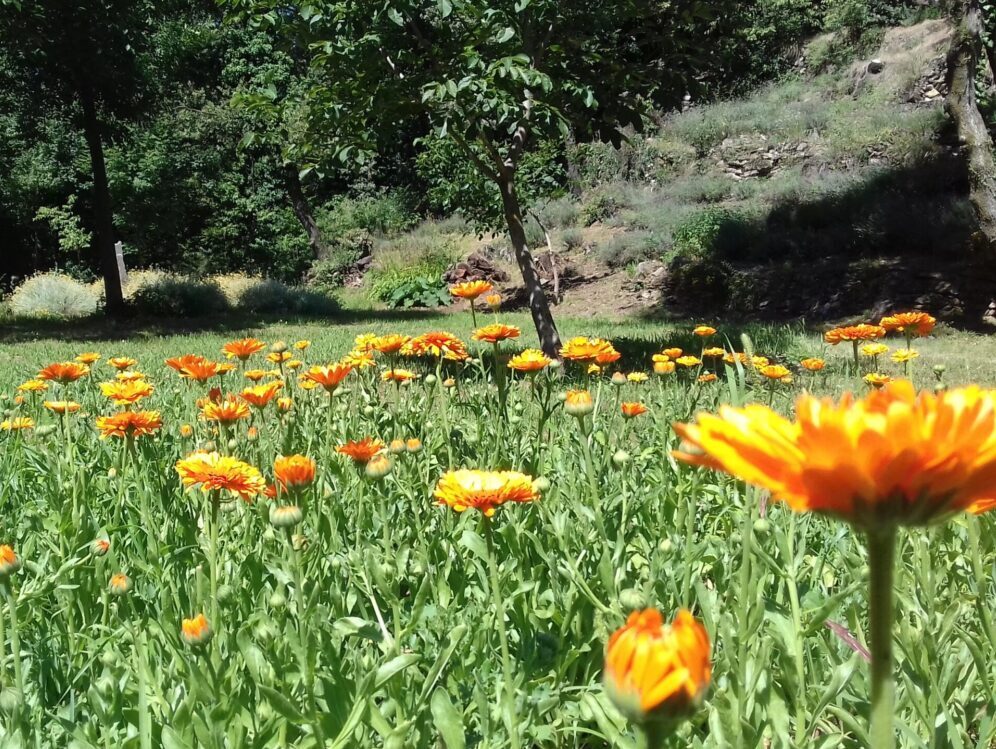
[380, 534]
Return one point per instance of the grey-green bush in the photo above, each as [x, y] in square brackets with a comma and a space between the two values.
[273, 297]
[178, 296]
[53, 295]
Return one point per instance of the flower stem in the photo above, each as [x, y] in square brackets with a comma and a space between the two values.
[213, 558]
[15, 638]
[653, 735]
[881, 560]
[508, 694]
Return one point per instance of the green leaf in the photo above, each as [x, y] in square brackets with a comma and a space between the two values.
[281, 704]
[447, 720]
[394, 666]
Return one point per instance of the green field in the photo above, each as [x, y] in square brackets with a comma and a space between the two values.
[386, 620]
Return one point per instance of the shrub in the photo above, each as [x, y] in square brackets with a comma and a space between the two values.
[572, 237]
[269, 296]
[399, 289]
[177, 296]
[627, 248]
[53, 295]
[722, 231]
[699, 283]
[386, 213]
[559, 213]
[410, 274]
[598, 206]
[342, 254]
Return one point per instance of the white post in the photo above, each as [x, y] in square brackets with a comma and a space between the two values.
[119, 254]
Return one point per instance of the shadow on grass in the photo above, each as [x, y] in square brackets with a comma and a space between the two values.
[103, 328]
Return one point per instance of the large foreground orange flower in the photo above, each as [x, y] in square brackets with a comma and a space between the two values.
[361, 451]
[862, 332]
[243, 348]
[224, 411]
[911, 323]
[129, 424]
[193, 367]
[260, 395]
[215, 472]
[328, 377]
[471, 289]
[126, 392]
[484, 490]
[656, 671]
[530, 360]
[438, 344]
[292, 471]
[893, 457]
[64, 372]
[589, 350]
[496, 333]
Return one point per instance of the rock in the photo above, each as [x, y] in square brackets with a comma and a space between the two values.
[932, 93]
[477, 267]
[876, 66]
[648, 268]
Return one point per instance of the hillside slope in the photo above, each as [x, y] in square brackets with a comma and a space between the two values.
[835, 192]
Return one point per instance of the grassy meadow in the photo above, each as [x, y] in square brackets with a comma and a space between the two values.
[374, 616]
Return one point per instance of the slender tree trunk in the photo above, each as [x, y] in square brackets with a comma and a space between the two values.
[103, 234]
[963, 61]
[546, 328]
[302, 209]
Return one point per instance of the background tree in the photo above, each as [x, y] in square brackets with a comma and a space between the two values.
[491, 76]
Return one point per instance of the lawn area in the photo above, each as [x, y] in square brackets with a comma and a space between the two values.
[968, 357]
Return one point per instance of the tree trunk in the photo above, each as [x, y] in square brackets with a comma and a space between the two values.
[963, 60]
[302, 209]
[546, 328]
[103, 234]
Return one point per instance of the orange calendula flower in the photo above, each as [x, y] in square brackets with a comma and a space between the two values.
[225, 367]
[129, 424]
[126, 393]
[359, 359]
[471, 289]
[120, 584]
[193, 367]
[122, 363]
[389, 344]
[364, 341]
[361, 451]
[588, 350]
[876, 380]
[632, 410]
[704, 331]
[657, 671]
[484, 490]
[493, 301]
[100, 547]
[672, 353]
[893, 457]
[902, 356]
[714, 352]
[254, 375]
[279, 357]
[413, 445]
[736, 356]
[663, 367]
[260, 395]
[439, 344]
[64, 372]
[496, 333]
[813, 364]
[186, 430]
[774, 372]
[33, 386]
[302, 345]
[874, 349]
[131, 376]
[578, 402]
[397, 375]
[196, 631]
[708, 377]
[88, 357]
[688, 361]
[9, 561]
[243, 348]
[214, 472]
[862, 332]
[285, 404]
[62, 407]
[16, 424]
[530, 360]
[911, 323]
[637, 377]
[328, 377]
[293, 471]
[226, 411]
